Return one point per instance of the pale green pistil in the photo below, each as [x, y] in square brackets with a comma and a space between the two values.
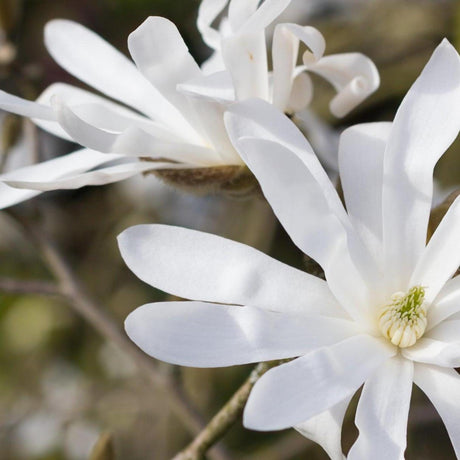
[403, 321]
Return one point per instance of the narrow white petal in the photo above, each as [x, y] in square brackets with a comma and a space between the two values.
[442, 386]
[305, 202]
[196, 265]
[288, 394]
[162, 56]
[260, 120]
[210, 119]
[323, 137]
[421, 133]
[100, 111]
[285, 48]
[207, 13]
[133, 141]
[215, 63]
[326, 429]
[208, 335]
[446, 304]
[353, 75]
[25, 108]
[10, 196]
[217, 86]
[104, 68]
[361, 172]
[239, 11]
[436, 352]
[301, 94]
[102, 176]
[382, 412]
[439, 346]
[245, 57]
[299, 204]
[441, 258]
[268, 11]
[73, 163]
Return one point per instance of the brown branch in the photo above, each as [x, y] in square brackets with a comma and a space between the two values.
[225, 418]
[15, 286]
[70, 287]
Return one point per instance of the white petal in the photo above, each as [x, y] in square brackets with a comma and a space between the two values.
[441, 258]
[435, 352]
[162, 56]
[208, 335]
[245, 52]
[104, 68]
[446, 304]
[288, 394]
[215, 63]
[439, 346]
[10, 196]
[382, 412]
[323, 137]
[421, 133]
[361, 172]
[196, 265]
[102, 176]
[285, 50]
[260, 120]
[268, 11]
[245, 57]
[353, 75]
[216, 86]
[25, 108]
[73, 163]
[239, 11]
[305, 202]
[442, 386]
[326, 429]
[301, 94]
[209, 119]
[97, 111]
[207, 13]
[133, 141]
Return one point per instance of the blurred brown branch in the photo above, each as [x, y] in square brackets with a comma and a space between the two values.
[225, 418]
[15, 286]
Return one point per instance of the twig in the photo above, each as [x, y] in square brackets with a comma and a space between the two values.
[15, 286]
[225, 418]
[70, 287]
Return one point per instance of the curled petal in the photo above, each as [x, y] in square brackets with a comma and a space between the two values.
[353, 75]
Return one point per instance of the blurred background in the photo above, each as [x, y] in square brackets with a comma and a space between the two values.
[62, 386]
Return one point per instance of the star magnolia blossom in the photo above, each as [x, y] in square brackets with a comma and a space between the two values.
[175, 119]
[389, 313]
[239, 63]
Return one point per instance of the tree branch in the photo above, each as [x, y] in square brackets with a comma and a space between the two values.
[15, 286]
[225, 418]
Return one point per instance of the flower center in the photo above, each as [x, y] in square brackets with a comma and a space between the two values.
[403, 321]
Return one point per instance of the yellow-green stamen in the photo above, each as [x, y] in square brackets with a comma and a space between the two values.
[403, 321]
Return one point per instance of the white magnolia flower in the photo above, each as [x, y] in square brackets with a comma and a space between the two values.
[239, 63]
[175, 115]
[389, 313]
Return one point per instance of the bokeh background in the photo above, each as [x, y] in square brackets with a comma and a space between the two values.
[62, 386]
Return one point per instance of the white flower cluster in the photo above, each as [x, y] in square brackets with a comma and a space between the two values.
[388, 314]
